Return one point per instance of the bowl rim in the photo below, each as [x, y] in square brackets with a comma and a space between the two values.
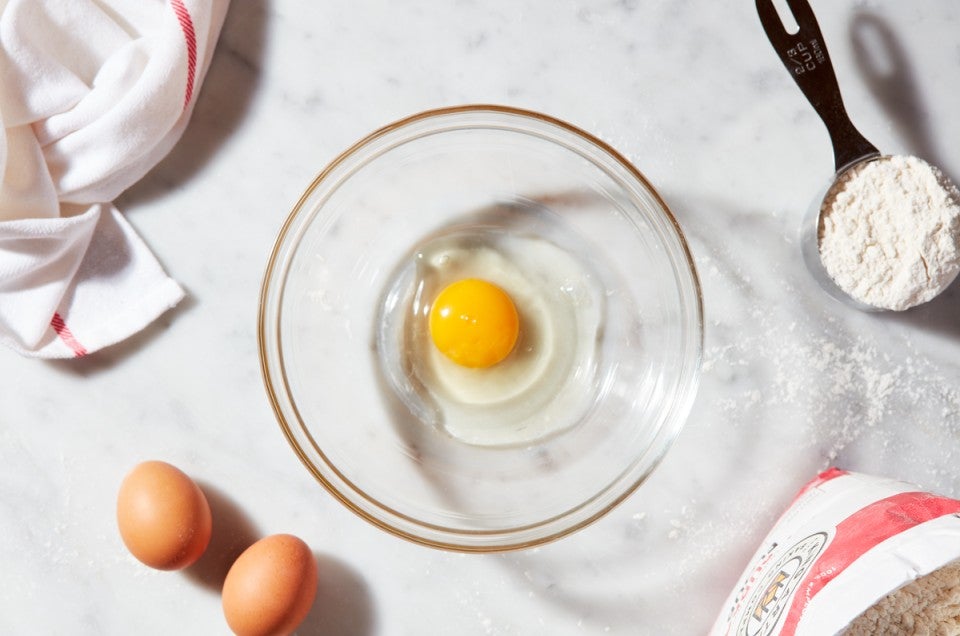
[686, 399]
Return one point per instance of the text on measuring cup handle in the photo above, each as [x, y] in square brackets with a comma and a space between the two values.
[806, 56]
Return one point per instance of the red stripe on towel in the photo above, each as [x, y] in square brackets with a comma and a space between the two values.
[186, 23]
[64, 332]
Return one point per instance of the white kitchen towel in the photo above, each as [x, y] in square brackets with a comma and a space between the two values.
[93, 93]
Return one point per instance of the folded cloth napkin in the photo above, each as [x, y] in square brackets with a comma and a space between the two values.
[93, 93]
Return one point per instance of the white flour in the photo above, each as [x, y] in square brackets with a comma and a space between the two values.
[929, 606]
[890, 232]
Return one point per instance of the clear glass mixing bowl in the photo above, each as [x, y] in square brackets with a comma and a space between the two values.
[322, 310]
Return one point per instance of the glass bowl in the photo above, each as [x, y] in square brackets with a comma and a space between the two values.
[336, 294]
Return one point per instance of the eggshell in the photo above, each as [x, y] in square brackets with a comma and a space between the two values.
[163, 516]
[270, 587]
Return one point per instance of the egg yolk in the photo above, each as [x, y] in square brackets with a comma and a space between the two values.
[474, 323]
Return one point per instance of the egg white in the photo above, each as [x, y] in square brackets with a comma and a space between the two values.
[544, 385]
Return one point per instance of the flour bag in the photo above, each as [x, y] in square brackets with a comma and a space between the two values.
[853, 555]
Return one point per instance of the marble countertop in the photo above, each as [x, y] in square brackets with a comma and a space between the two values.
[691, 91]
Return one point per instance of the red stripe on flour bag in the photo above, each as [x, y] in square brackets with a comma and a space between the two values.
[186, 23]
[859, 533]
[60, 327]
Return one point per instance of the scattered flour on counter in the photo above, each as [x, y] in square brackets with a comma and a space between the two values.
[834, 384]
[929, 606]
[890, 232]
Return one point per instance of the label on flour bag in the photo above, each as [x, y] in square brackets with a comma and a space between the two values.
[845, 542]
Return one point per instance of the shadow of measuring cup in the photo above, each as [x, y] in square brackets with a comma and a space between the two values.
[886, 68]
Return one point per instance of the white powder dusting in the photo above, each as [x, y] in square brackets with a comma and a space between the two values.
[890, 232]
[930, 606]
[839, 390]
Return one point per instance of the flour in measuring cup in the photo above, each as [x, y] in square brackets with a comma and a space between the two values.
[890, 232]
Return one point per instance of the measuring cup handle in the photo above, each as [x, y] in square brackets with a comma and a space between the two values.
[804, 53]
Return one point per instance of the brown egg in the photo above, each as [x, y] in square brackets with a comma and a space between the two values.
[270, 587]
[163, 516]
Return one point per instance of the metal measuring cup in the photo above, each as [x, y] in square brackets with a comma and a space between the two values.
[804, 53]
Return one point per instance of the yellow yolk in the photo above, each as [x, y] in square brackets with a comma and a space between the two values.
[474, 323]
